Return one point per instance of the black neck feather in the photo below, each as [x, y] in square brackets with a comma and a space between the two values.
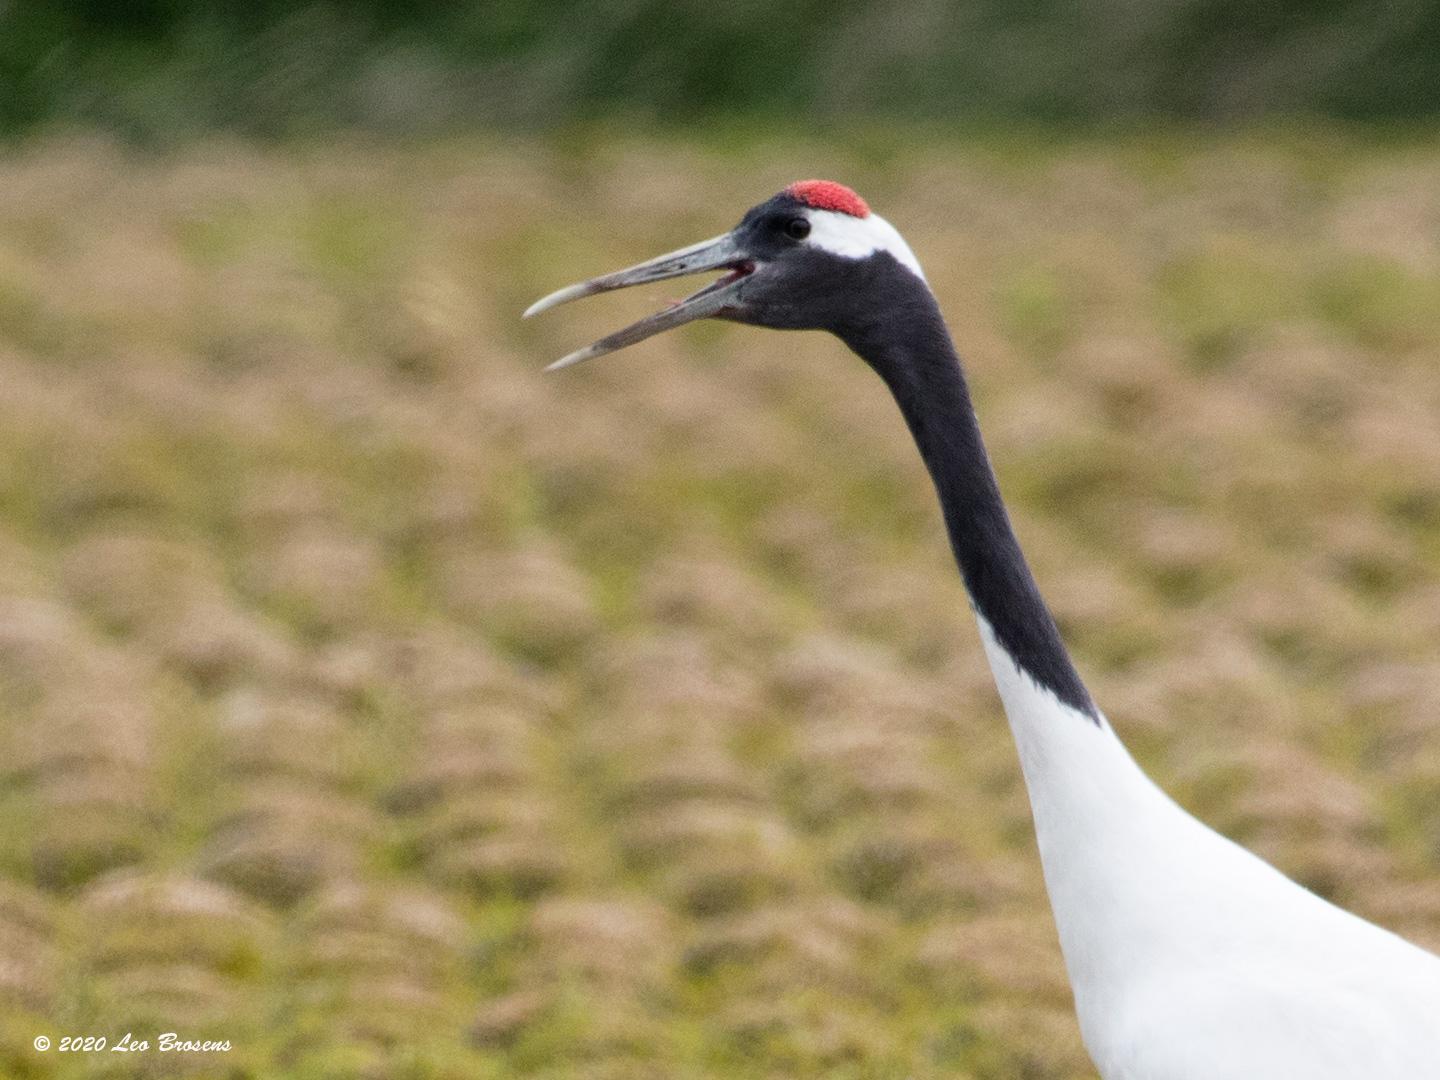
[908, 345]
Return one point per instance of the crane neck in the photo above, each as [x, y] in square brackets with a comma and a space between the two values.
[910, 348]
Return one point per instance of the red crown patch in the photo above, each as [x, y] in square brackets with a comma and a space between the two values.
[828, 195]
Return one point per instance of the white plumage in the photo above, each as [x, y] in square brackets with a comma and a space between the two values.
[1190, 958]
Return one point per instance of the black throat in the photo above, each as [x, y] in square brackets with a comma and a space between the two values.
[905, 340]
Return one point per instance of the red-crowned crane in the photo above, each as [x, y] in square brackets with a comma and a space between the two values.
[1189, 957]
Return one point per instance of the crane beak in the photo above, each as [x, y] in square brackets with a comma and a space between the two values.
[717, 298]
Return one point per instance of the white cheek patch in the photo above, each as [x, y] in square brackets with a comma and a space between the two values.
[855, 238]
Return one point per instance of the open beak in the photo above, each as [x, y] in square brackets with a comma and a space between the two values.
[719, 253]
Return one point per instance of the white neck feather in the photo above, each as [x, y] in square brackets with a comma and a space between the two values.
[1145, 896]
[1100, 823]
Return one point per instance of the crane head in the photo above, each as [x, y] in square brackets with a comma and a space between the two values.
[812, 257]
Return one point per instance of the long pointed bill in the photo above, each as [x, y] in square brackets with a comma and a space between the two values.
[719, 253]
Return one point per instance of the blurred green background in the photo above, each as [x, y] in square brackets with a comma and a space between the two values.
[163, 69]
[391, 710]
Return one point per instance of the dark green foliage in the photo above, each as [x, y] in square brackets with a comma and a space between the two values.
[164, 68]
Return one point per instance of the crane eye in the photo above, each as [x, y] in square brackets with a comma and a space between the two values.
[797, 228]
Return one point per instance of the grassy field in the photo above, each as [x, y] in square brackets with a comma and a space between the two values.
[389, 709]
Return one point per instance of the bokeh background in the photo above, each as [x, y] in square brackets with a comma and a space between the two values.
[391, 710]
